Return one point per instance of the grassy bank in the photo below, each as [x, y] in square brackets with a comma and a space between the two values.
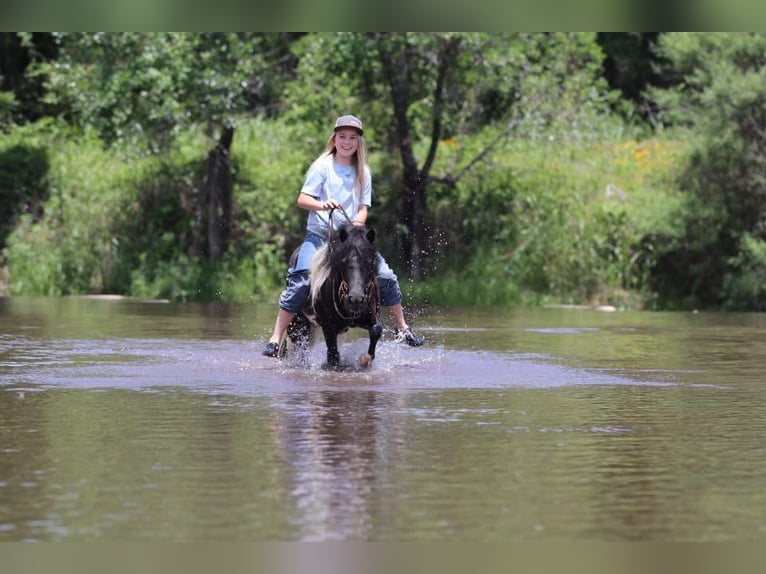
[557, 223]
[537, 222]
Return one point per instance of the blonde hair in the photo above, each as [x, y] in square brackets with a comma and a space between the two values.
[360, 156]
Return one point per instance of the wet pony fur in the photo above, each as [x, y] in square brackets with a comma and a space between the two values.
[344, 293]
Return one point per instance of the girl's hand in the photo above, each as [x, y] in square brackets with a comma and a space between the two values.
[330, 204]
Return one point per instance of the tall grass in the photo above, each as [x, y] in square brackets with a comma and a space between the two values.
[555, 222]
[111, 222]
[566, 221]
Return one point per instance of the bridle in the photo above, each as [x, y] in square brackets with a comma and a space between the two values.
[341, 292]
[371, 294]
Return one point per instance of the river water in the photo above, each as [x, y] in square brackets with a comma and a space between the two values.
[130, 420]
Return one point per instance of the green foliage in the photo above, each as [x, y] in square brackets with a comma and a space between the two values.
[555, 84]
[630, 66]
[555, 222]
[542, 222]
[7, 107]
[58, 249]
[744, 287]
[486, 88]
[535, 81]
[23, 103]
[722, 104]
[328, 75]
[481, 279]
[538, 191]
[162, 263]
[23, 181]
[116, 224]
[145, 88]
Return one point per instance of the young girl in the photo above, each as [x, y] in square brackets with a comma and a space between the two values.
[338, 179]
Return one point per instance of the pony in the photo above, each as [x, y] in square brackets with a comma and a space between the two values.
[344, 294]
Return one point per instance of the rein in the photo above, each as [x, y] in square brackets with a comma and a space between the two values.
[331, 232]
[343, 211]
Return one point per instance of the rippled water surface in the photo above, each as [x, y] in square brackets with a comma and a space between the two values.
[127, 420]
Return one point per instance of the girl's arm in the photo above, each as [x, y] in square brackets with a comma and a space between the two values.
[311, 203]
[361, 215]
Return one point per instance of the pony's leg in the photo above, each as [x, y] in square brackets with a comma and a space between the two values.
[331, 340]
[297, 337]
[375, 332]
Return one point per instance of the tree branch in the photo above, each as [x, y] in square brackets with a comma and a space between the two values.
[447, 57]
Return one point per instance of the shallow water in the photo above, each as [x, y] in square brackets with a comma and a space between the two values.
[128, 420]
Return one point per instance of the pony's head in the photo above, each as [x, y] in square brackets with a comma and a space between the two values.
[350, 260]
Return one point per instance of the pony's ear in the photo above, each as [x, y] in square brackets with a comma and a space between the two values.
[343, 234]
[371, 236]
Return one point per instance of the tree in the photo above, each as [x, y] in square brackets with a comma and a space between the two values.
[401, 62]
[19, 51]
[144, 88]
[721, 101]
[421, 89]
[631, 66]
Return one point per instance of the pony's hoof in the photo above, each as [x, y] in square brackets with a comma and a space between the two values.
[365, 361]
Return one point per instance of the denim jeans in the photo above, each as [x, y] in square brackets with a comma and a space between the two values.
[296, 293]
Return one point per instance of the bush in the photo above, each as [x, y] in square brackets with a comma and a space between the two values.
[112, 223]
[722, 108]
[58, 249]
[555, 221]
[540, 221]
[744, 288]
[23, 181]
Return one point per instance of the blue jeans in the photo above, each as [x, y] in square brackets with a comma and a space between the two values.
[295, 295]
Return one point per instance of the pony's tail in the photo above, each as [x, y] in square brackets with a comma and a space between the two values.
[320, 271]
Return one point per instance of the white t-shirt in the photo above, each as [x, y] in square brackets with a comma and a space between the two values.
[327, 180]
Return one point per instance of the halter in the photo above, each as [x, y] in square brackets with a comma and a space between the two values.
[342, 290]
[371, 294]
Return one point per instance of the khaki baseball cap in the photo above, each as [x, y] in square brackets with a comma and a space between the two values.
[349, 122]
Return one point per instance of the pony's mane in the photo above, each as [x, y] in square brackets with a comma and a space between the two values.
[320, 271]
[322, 263]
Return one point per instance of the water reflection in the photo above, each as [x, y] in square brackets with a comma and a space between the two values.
[330, 440]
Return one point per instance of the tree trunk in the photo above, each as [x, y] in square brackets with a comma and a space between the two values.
[217, 205]
[414, 239]
[414, 244]
[412, 199]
